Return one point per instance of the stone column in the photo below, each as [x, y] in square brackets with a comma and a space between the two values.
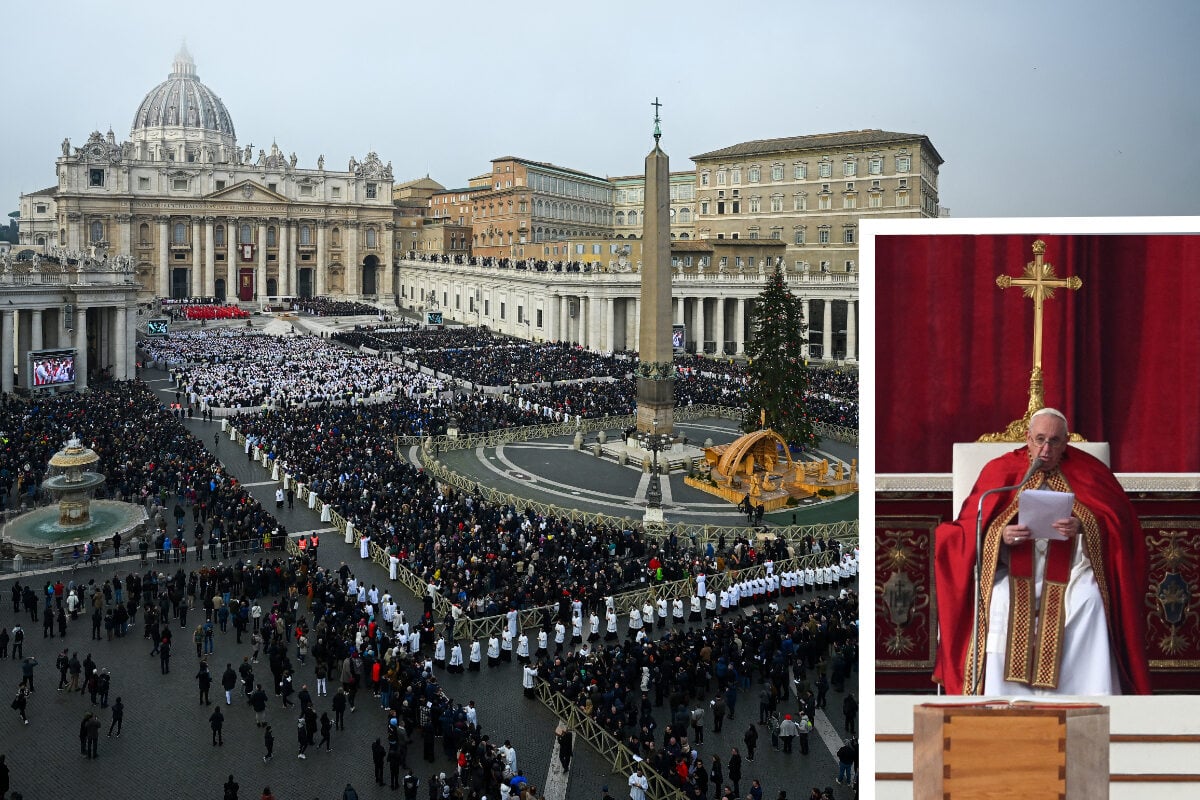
[352, 266]
[636, 305]
[35, 330]
[125, 234]
[552, 311]
[281, 260]
[164, 257]
[260, 279]
[583, 321]
[7, 334]
[806, 305]
[81, 354]
[827, 335]
[698, 318]
[740, 326]
[232, 254]
[319, 289]
[564, 315]
[719, 327]
[678, 303]
[384, 282]
[293, 277]
[121, 343]
[210, 258]
[851, 336]
[197, 272]
[610, 307]
[24, 334]
[74, 229]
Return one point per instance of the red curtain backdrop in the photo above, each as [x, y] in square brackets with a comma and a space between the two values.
[1121, 356]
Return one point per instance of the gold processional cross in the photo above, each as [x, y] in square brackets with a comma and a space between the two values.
[1038, 282]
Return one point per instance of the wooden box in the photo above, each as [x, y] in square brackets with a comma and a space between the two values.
[1023, 751]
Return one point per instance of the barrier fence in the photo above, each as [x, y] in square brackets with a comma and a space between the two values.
[613, 750]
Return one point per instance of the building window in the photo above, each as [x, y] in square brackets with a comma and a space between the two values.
[798, 236]
[306, 190]
[823, 236]
[306, 234]
[220, 185]
[371, 239]
[799, 202]
[539, 318]
[685, 215]
[245, 235]
[777, 172]
[724, 262]
[904, 183]
[179, 184]
[849, 266]
[902, 198]
[219, 236]
[144, 234]
[735, 175]
[800, 172]
[97, 232]
[179, 235]
[826, 169]
[903, 163]
[620, 217]
[848, 236]
[704, 178]
[850, 201]
[95, 177]
[502, 311]
[144, 184]
[372, 191]
[776, 233]
[720, 177]
[753, 233]
[755, 205]
[824, 202]
[875, 166]
[336, 193]
[755, 174]
[849, 168]
[875, 200]
[703, 206]
[777, 202]
[633, 218]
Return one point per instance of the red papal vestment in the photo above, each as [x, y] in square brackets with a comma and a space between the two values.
[1053, 597]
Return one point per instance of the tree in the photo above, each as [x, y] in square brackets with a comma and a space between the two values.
[778, 377]
[8, 233]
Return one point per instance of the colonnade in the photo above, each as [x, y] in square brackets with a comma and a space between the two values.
[100, 334]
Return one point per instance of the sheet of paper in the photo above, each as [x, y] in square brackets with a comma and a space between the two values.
[1040, 509]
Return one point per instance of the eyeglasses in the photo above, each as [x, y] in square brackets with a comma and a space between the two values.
[1054, 441]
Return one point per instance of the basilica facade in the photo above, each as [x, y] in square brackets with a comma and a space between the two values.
[202, 216]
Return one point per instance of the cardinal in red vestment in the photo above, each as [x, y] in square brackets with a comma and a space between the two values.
[1060, 616]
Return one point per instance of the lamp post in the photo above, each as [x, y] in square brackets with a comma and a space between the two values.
[654, 442]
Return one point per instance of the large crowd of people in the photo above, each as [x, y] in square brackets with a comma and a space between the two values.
[328, 307]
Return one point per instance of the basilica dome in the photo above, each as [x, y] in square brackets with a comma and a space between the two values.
[183, 102]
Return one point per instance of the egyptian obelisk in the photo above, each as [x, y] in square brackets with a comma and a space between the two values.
[656, 368]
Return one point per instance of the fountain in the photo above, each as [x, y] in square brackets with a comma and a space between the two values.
[77, 518]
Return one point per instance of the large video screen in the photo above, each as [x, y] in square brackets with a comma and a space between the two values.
[678, 337]
[51, 368]
[158, 327]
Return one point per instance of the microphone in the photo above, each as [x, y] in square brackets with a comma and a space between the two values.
[973, 678]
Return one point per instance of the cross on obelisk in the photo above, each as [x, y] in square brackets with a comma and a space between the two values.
[1038, 281]
[657, 130]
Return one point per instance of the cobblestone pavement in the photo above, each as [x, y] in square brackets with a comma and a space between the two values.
[165, 747]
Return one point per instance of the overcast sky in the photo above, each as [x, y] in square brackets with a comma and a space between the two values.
[1038, 108]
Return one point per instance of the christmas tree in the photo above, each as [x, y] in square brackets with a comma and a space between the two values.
[778, 376]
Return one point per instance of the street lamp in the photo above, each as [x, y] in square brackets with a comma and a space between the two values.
[655, 442]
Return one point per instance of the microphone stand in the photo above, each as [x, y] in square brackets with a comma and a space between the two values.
[973, 675]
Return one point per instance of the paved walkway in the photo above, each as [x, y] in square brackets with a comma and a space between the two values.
[165, 749]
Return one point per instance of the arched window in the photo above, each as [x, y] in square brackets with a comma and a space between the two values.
[305, 234]
[271, 236]
[40, 240]
[245, 235]
[337, 237]
[620, 217]
[633, 218]
[180, 233]
[685, 214]
[219, 236]
[144, 233]
[370, 238]
[684, 236]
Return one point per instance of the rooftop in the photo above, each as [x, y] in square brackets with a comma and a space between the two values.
[867, 136]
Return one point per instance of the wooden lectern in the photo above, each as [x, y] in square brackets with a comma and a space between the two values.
[1023, 751]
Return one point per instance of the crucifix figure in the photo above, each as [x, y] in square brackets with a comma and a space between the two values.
[657, 130]
[1038, 282]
